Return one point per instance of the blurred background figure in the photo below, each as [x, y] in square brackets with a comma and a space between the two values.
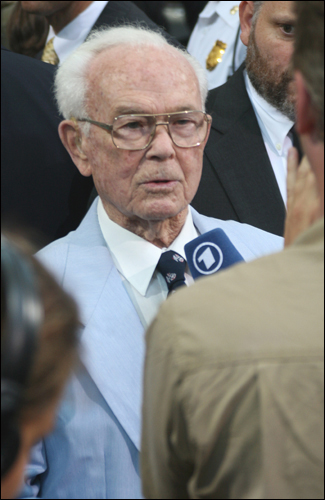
[215, 41]
[38, 349]
[6, 11]
[69, 23]
[26, 33]
[234, 376]
[177, 18]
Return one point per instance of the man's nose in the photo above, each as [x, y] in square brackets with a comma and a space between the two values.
[162, 144]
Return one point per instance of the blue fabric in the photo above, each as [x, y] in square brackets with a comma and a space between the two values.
[93, 451]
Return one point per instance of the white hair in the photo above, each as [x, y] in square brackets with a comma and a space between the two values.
[70, 84]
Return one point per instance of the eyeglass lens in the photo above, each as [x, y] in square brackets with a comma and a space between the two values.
[135, 132]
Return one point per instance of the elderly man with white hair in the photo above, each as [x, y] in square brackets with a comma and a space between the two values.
[135, 121]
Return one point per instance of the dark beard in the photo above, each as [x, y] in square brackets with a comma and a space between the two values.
[272, 85]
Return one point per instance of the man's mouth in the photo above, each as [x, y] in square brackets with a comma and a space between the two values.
[156, 183]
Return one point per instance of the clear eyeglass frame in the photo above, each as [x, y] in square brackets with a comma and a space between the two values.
[110, 128]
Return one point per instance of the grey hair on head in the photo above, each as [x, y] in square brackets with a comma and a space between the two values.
[70, 84]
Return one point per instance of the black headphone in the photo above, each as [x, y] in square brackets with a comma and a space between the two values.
[23, 317]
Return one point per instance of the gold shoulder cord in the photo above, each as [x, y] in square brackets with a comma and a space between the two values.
[215, 56]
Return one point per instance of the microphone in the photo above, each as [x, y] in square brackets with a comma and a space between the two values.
[210, 252]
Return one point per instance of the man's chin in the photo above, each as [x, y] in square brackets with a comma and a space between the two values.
[272, 96]
[160, 211]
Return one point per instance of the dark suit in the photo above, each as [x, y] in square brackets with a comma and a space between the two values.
[41, 187]
[238, 181]
[117, 12]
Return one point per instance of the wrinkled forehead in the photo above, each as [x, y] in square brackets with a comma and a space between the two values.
[122, 70]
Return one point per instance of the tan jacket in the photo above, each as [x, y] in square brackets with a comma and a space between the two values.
[234, 382]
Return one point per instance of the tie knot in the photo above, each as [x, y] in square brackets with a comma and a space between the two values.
[172, 266]
[49, 55]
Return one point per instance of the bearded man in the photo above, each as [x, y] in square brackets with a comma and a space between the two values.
[245, 159]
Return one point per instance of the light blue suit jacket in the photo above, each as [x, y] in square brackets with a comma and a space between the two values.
[94, 450]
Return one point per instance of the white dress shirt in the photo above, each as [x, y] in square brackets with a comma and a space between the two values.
[136, 260]
[275, 128]
[216, 22]
[76, 32]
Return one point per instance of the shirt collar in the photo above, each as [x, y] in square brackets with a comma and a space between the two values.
[274, 125]
[122, 244]
[86, 19]
[223, 9]
[77, 30]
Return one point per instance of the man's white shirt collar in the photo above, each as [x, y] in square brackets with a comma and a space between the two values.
[76, 32]
[139, 269]
[274, 125]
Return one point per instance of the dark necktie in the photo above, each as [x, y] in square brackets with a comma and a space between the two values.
[172, 266]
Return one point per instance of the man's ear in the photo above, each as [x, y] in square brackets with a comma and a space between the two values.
[71, 138]
[306, 119]
[246, 10]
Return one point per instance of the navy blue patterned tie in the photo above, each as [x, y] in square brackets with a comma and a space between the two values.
[172, 266]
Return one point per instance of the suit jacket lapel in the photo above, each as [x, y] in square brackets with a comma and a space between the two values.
[112, 342]
[250, 182]
[114, 354]
[251, 177]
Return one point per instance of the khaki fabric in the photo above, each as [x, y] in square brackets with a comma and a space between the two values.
[234, 382]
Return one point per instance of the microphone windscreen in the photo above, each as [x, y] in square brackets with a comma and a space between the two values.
[211, 252]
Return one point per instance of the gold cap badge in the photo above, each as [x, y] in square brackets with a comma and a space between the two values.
[234, 10]
[215, 56]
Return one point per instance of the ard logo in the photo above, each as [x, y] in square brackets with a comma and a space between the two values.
[170, 277]
[207, 258]
[177, 258]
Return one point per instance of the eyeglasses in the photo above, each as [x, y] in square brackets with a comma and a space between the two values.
[134, 132]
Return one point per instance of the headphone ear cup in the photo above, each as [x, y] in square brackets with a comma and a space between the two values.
[10, 442]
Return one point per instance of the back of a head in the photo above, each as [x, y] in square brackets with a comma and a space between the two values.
[38, 344]
[308, 55]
